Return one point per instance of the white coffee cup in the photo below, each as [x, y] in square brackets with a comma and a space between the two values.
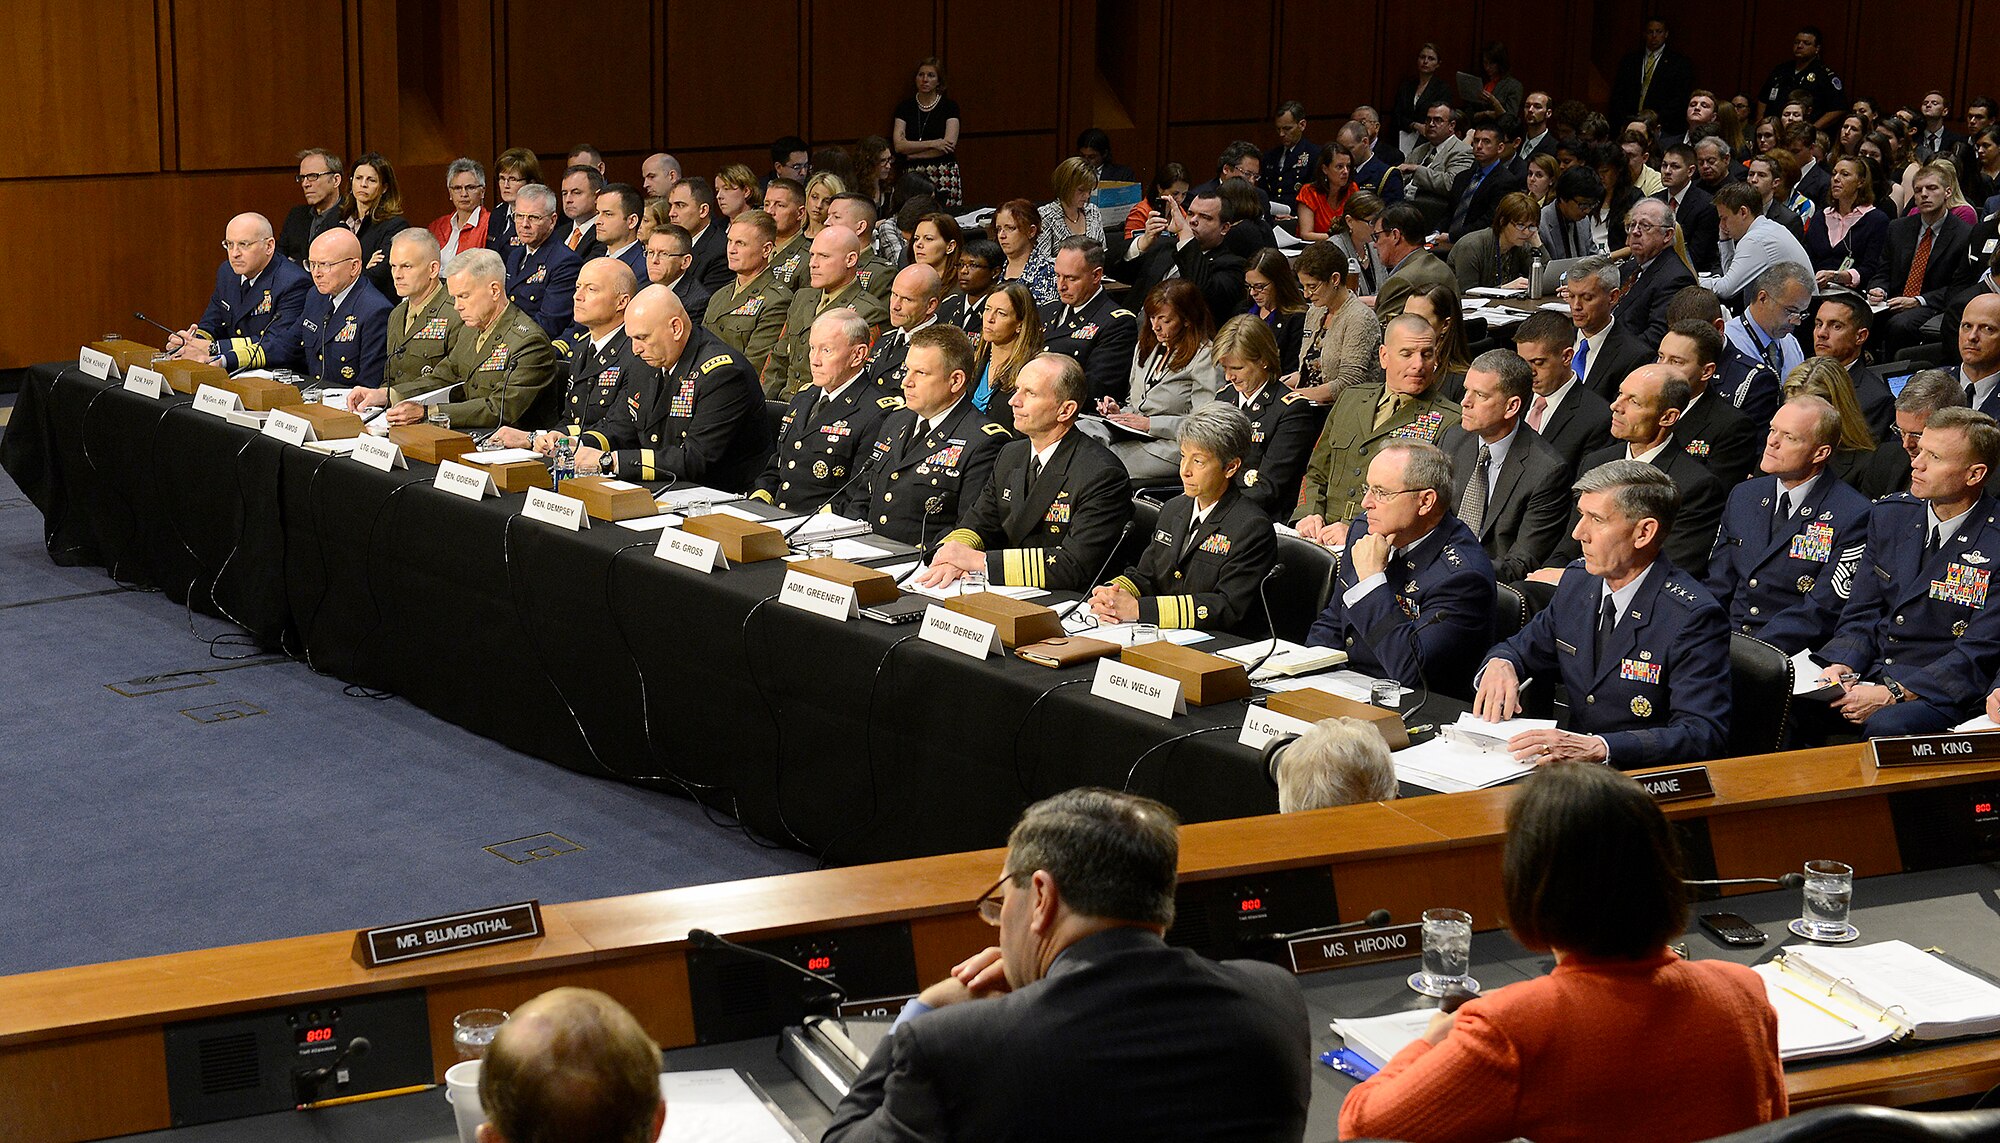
[461, 1090]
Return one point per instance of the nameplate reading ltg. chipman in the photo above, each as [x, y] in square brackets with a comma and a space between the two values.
[411, 940]
[1364, 946]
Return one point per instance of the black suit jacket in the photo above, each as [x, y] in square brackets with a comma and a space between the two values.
[1673, 82]
[375, 236]
[1643, 309]
[1947, 272]
[1529, 504]
[1124, 1039]
[1699, 227]
[1717, 434]
[1058, 531]
[1580, 426]
[711, 256]
[1702, 500]
[1816, 184]
[1498, 185]
[1620, 352]
[302, 226]
[1877, 403]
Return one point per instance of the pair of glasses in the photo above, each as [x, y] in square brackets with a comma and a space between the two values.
[311, 176]
[989, 902]
[316, 267]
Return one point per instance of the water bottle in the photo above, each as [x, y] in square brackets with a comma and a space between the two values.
[565, 466]
[1535, 273]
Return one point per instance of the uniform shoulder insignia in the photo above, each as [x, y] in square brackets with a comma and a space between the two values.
[713, 362]
[1293, 398]
[994, 429]
[1679, 592]
[889, 402]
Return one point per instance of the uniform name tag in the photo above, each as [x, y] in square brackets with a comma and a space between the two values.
[551, 508]
[696, 553]
[217, 402]
[967, 636]
[293, 430]
[378, 452]
[95, 363]
[820, 596]
[144, 381]
[465, 480]
[1143, 690]
[1261, 725]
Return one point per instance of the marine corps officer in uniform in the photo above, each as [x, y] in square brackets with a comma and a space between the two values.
[503, 363]
[836, 252]
[343, 337]
[785, 202]
[702, 421]
[596, 370]
[1058, 501]
[541, 272]
[748, 314]
[1639, 645]
[830, 424]
[252, 318]
[1407, 404]
[1085, 323]
[1414, 598]
[933, 457]
[1212, 546]
[424, 327]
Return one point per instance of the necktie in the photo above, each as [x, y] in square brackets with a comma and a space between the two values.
[1969, 398]
[1913, 285]
[916, 435]
[1674, 204]
[1607, 622]
[1464, 209]
[1932, 542]
[1646, 79]
[1784, 513]
[1187, 541]
[1473, 510]
[1535, 414]
[1034, 471]
[575, 236]
[1580, 364]
[1391, 401]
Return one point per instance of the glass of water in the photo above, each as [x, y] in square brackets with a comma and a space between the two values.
[1144, 633]
[437, 416]
[1447, 953]
[1829, 892]
[697, 508]
[971, 582]
[1386, 693]
[473, 1030]
[819, 550]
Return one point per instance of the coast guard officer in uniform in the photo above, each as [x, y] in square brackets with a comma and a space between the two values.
[1640, 646]
[1791, 539]
[1920, 638]
[252, 318]
[343, 337]
[830, 423]
[1414, 599]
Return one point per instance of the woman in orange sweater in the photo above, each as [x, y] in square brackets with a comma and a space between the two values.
[1623, 1040]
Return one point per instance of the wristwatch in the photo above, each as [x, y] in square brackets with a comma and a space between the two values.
[1896, 691]
[607, 462]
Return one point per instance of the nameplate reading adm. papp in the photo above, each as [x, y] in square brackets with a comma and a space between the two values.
[1937, 749]
[145, 382]
[392, 944]
[1363, 946]
[1678, 784]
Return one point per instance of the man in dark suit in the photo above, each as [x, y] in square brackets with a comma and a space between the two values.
[1654, 78]
[1510, 486]
[1196, 245]
[1370, 172]
[1638, 644]
[1477, 189]
[1057, 501]
[1710, 429]
[1927, 263]
[1408, 267]
[1934, 139]
[1763, 349]
[578, 227]
[691, 206]
[1568, 416]
[252, 317]
[619, 206]
[1537, 137]
[1693, 209]
[1606, 350]
[321, 181]
[1841, 328]
[1657, 272]
[1084, 322]
[1083, 1024]
[541, 272]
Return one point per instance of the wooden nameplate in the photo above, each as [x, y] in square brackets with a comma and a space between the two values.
[1205, 679]
[625, 501]
[519, 475]
[871, 585]
[1314, 705]
[259, 394]
[126, 353]
[328, 423]
[1019, 622]
[430, 444]
[187, 376]
[743, 541]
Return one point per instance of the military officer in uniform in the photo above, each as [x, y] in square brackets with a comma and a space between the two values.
[702, 421]
[541, 272]
[1085, 323]
[934, 456]
[343, 337]
[1211, 548]
[502, 363]
[1283, 424]
[1414, 598]
[1807, 72]
[785, 202]
[1058, 501]
[1639, 645]
[830, 269]
[913, 305]
[424, 328]
[1919, 640]
[855, 212]
[596, 370]
[830, 424]
[1791, 539]
[748, 314]
[252, 318]
[1407, 404]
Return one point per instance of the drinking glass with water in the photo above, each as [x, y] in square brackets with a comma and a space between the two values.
[1828, 895]
[472, 1031]
[1447, 935]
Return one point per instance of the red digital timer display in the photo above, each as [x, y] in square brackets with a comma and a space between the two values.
[1251, 904]
[318, 1035]
[819, 963]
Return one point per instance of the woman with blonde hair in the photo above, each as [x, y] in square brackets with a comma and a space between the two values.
[1071, 214]
[652, 218]
[736, 191]
[821, 190]
[1438, 305]
[1284, 425]
[1873, 468]
[1010, 335]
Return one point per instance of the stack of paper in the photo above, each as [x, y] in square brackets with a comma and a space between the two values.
[501, 456]
[827, 526]
[851, 550]
[709, 1106]
[1378, 1038]
[674, 499]
[1895, 981]
[1808, 1024]
[1452, 767]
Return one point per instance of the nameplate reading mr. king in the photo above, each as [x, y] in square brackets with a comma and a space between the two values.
[1935, 749]
[412, 940]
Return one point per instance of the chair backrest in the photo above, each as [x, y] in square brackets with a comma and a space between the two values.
[1298, 593]
[1760, 678]
[1535, 594]
[1856, 1123]
[775, 412]
[1145, 517]
[1510, 612]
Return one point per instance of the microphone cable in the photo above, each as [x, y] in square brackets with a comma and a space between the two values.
[777, 724]
[1174, 741]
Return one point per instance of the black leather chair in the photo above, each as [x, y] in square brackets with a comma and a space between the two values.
[1298, 593]
[775, 410]
[1145, 517]
[1760, 683]
[1510, 612]
[1855, 1123]
[1158, 493]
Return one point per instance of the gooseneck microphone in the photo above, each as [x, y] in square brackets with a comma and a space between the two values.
[703, 939]
[1788, 881]
[1263, 596]
[1374, 920]
[1063, 611]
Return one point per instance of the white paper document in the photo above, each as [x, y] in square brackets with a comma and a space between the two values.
[1810, 1026]
[501, 456]
[1378, 1038]
[1288, 658]
[1495, 292]
[719, 1107]
[1450, 766]
[652, 523]
[847, 550]
[957, 588]
[379, 417]
[1976, 722]
[678, 498]
[1805, 678]
[1476, 731]
[827, 526]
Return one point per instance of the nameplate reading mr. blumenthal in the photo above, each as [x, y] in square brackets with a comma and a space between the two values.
[412, 940]
[1678, 784]
[1363, 946]
[1937, 749]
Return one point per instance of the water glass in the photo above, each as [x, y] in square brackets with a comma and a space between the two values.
[1829, 891]
[819, 550]
[1447, 937]
[473, 1030]
[437, 416]
[972, 582]
[697, 508]
[1143, 633]
[1386, 693]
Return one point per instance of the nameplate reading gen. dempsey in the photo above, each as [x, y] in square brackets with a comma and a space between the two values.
[392, 944]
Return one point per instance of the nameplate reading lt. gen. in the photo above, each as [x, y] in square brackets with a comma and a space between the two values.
[464, 480]
[392, 944]
[95, 362]
[145, 382]
[290, 428]
[1139, 689]
[1364, 946]
[698, 553]
[1937, 749]
[217, 402]
[1678, 784]
[819, 596]
[550, 508]
[378, 452]
[961, 633]
[1261, 725]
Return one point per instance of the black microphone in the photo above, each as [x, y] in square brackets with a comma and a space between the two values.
[1063, 611]
[1417, 654]
[305, 1085]
[703, 939]
[1265, 598]
[156, 325]
[1374, 920]
[866, 467]
[1788, 881]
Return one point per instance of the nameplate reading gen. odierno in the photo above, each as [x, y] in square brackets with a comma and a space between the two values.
[411, 940]
[1363, 946]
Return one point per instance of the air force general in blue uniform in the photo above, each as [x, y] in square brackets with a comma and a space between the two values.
[1786, 580]
[1427, 617]
[542, 282]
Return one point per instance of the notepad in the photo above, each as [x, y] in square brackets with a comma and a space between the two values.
[710, 1106]
[1894, 982]
[1378, 1038]
[1451, 766]
[1286, 660]
[1805, 678]
[502, 456]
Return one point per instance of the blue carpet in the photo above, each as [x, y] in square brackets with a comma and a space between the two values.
[138, 828]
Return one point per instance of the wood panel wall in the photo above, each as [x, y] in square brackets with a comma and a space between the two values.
[130, 130]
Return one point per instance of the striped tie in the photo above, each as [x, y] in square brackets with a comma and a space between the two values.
[1913, 286]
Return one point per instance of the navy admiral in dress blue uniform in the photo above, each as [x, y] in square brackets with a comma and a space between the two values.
[252, 318]
[1289, 166]
[1058, 501]
[343, 335]
[830, 424]
[932, 458]
[541, 270]
[1086, 324]
[1212, 546]
[1283, 424]
[1640, 646]
[1791, 539]
[1919, 640]
[1414, 598]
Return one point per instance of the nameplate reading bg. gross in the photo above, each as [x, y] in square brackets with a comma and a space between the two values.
[392, 944]
[1937, 749]
[1678, 784]
[697, 553]
[1363, 946]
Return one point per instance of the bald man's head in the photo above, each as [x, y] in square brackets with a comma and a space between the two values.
[604, 287]
[249, 243]
[835, 255]
[1979, 335]
[913, 296]
[1650, 400]
[659, 326]
[335, 260]
[571, 1063]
